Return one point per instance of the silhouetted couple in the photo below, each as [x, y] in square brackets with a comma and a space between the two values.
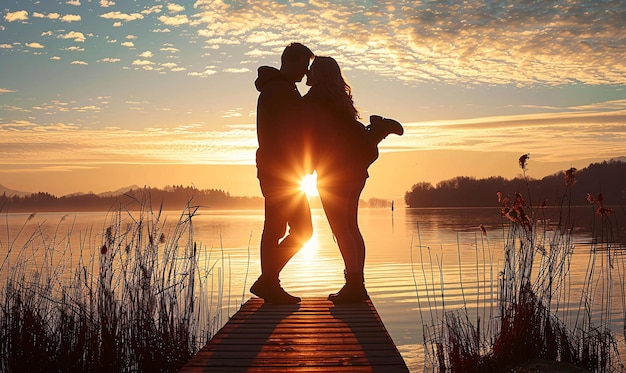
[298, 135]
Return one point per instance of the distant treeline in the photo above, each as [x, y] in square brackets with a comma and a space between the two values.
[608, 178]
[171, 198]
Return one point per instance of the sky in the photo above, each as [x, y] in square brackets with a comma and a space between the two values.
[97, 95]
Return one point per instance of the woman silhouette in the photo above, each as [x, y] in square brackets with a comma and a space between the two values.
[343, 149]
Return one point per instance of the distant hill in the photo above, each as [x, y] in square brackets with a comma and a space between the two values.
[608, 178]
[119, 191]
[10, 192]
[173, 198]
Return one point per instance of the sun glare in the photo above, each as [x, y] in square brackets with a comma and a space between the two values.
[309, 250]
[309, 185]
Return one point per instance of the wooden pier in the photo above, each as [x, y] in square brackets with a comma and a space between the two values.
[313, 336]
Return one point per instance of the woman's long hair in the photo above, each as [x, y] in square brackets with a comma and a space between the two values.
[330, 87]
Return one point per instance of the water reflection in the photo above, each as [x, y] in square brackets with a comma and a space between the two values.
[418, 260]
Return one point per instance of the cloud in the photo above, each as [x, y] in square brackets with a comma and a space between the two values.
[173, 67]
[109, 59]
[34, 45]
[106, 3]
[15, 109]
[146, 54]
[233, 113]
[54, 16]
[17, 124]
[55, 58]
[142, 62]
[70, 18]
[73, 2]
[175, 8]
[154, 9]
[129, 44]
[550, 137]
[122, 16]
[209, 71]
[20, 15]
[6, 90]
[555, 137]
[78, 62]
[176, 20]
[85, 108]
[66, 142]
[236, 70]
[169, 49]
[6, 46]
[499, 42]
[75, 35]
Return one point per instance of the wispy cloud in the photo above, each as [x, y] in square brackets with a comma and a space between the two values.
[207, 72]
[563, 136]
[176, 20]
[153, 9]
[494, 43]
[236, 70]
[122, 16]
[142, 62]
[68, 143]
[55, 16]
[74, 35]
[70, 18]
[549, 137]
[175, 8]
[20, 15]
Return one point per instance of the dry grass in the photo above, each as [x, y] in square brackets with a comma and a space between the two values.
[530, 318]
[141, 297]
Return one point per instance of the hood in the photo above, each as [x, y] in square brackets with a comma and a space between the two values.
[267, 74]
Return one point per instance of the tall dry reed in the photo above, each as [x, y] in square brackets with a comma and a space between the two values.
[531, 316]
[141, 296]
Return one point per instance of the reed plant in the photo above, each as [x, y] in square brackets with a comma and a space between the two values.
[529, 310]
[141, 295]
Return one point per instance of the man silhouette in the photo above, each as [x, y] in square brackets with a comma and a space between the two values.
[281, 161]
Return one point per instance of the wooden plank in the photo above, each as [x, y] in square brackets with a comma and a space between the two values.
[313, 336]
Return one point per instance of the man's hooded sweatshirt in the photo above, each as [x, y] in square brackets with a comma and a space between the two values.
[281, 155]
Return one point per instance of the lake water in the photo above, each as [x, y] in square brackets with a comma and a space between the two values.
[414, 256]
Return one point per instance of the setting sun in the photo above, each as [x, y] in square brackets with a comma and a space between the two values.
[309, 185]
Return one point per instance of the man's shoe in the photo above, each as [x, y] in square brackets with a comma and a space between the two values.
[272, 292]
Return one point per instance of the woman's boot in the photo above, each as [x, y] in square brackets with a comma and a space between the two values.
[352, 292]
[380, 127]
